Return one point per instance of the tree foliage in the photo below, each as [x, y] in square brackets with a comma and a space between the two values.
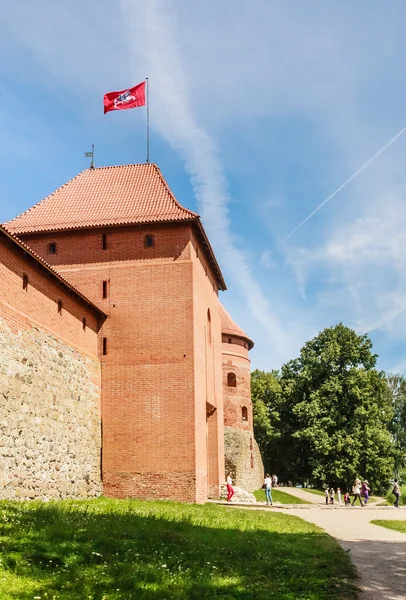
[329, 413]
[397, 398]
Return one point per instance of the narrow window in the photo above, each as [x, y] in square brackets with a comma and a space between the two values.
[52, 248]
[104, 241]
[244, 413]
[84, 323]
[229, 340]
[149, 241]
[209, 325]
[231, 380]
[25, 282]
[104, 289]
[104, 346]
[60, 307]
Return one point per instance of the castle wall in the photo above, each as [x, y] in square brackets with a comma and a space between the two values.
[208, 379]
[153, 405]
[242, 456]
[49, 385]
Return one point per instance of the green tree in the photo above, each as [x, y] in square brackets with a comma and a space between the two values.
[397, 398]
[333, 413]
[265, 392]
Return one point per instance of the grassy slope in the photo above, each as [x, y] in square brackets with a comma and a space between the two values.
[278, 496]
[396, 525]
[123, 550]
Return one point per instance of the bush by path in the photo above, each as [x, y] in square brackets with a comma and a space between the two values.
[125, 550]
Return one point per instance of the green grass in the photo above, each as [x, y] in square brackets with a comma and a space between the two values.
[278, 496]
[395, 525]
[126, 549]
[313, 491]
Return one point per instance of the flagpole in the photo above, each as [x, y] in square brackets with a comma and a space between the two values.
[147, 90]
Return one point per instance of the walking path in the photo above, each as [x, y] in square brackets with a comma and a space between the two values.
[378, 553]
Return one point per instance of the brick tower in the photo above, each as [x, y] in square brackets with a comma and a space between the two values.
[242, 456]
[119, 235]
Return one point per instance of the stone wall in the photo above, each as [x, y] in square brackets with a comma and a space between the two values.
[243, 459]
[49, 417]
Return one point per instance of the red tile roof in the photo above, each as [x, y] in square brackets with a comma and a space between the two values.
[230, 327]
[108, 196]
[54, 273]
[104, 196]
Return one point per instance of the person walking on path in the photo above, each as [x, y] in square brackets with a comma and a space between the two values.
[356, 490]
[365, 489]
[230, 489]
[339, 495]
[397, 492]
[347, 499]
[274, 481]
[268, 489]
[331, 493]
[326, 495]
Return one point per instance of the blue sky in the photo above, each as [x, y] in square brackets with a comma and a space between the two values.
[259, 111]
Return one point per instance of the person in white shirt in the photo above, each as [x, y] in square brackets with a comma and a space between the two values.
[268, 489]
[339, 495]
[230, 489]
[356, 490]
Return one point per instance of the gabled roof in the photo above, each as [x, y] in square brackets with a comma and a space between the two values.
[27, 250]
[103, 196]
[111, 196]
[230, 327]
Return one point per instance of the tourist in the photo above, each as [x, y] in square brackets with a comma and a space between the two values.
[397, 492]
[365, 489]
[230, 489]
[326, 495]
[347, 499]
[268, 489]
[356, 490]
[339, 495]
[274, 481]
[331, 493]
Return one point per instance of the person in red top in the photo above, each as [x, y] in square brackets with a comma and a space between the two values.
[230, 489]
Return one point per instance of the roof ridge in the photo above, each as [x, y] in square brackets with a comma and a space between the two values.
[26, 212]
[170, 193]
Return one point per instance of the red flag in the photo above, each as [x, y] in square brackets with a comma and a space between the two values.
[130, 98]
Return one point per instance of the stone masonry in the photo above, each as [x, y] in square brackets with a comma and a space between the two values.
[49, 418]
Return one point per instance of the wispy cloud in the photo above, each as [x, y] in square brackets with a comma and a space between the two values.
[175, 120]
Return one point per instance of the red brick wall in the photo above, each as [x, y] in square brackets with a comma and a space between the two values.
[208, 379]
[37, 305]
[155, 384]
[235, 360]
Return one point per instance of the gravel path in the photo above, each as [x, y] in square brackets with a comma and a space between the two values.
[378, 553]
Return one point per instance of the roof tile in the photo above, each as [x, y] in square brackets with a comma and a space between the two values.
[230, 327]
[120, 195]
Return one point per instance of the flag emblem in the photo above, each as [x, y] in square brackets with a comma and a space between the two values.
[130, 98]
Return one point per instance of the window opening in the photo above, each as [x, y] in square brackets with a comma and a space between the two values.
[232, 380]
[104, 289]
[84, 323]
[25, 282]
[209, 325]
[104, 345]
[104, 241]
[229, 340]
[52, 248]
[60, 307]
[244, 413]
[149, 241]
